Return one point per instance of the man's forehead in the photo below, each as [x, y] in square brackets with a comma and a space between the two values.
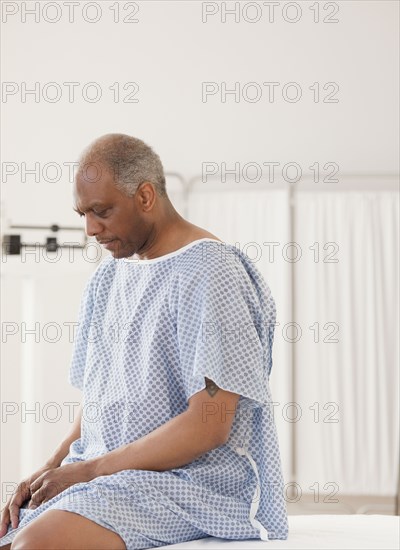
[93, 183]
[88, 196]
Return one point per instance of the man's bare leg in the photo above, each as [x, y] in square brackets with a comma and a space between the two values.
[62, 530]
[6, 547]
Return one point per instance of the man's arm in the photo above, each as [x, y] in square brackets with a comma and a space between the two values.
[204, 426]
[62, 450]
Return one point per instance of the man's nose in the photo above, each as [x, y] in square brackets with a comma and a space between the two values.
[93, 226]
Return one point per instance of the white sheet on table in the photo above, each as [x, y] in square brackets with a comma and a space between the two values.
[356, 531]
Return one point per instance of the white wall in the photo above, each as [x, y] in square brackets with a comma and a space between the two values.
[169, 53]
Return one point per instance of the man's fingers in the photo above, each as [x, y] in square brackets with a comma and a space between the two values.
[10, 512]
[14, 514]
[36, 484]
[38, 497]
[21, 494]
[35, 502]
[5, 520]
[31, 505]
[16, 501]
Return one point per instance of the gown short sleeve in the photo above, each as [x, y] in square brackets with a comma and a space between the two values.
[84, 326]
[223, 329]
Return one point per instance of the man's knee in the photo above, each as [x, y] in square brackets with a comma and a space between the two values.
[59, 529]
[37, 536]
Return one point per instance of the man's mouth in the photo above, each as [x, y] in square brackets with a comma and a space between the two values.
[107, 244]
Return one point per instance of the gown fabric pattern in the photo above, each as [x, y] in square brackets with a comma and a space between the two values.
[149, 332]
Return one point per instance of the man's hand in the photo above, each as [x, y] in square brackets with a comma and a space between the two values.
[52, 482]
[10, 512]
[41, 486]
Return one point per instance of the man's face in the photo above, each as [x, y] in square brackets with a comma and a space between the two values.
[109, 214]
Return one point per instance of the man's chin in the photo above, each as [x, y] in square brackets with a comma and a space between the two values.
[120, 253]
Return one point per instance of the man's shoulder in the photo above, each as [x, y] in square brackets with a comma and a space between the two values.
[209, 259]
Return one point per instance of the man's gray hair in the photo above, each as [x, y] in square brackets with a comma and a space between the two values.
[130, 161]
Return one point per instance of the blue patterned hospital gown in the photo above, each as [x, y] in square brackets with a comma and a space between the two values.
[149, 332]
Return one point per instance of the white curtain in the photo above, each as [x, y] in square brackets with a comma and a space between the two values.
[354, 441]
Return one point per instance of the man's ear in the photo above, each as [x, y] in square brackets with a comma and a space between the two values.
[147, 195]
